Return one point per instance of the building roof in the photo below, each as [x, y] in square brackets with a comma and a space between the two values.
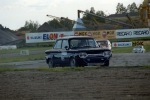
[48, 28]
[60, 29]
[79, 26]
[123, 14]
[45, 28]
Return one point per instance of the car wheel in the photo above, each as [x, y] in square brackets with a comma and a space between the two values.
[72, 62]
[50, 63]
[106, 63]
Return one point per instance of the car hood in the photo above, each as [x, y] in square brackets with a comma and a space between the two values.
[80, 49]
[137, 49]
[87, 50]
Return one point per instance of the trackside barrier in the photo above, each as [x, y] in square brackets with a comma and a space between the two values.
[134, 43]
[98, 35]
[8, 47]
[121, 44]
[24, 52]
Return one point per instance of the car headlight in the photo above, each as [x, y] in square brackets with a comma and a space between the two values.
[83, 55]
[106, 53]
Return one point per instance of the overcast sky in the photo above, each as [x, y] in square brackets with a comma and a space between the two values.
[14, 13]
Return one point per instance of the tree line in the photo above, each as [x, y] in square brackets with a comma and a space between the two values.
[120, 8]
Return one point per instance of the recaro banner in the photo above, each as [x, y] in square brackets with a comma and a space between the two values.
[104, 34]
[132, 33]
[46, 36]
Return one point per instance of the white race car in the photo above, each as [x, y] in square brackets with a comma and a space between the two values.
[138, 49]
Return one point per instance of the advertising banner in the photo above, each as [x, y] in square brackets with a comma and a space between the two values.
[46, 36]
[134, 43]
[108, 34]
[98, 35]
[8, 47]
[132, 33]
[121, 44]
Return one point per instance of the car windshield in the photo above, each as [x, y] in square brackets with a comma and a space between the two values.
[102, 42]
[83, 43]
[138, 46]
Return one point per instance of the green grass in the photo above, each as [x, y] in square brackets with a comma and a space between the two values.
[122, 49]
[22, 58]
[29, 48]
[145, 67]
[64, 69]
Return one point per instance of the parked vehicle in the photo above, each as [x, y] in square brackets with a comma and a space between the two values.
[138, 49]
[104, 44]
[77, 51]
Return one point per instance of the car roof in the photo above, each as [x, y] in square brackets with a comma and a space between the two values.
[70, 37]
[102, 40]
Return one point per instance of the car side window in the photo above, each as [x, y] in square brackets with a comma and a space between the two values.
[74, 43]
[58, 44]
[91, 43]
[64, 43]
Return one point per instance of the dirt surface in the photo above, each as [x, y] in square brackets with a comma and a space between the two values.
[90, 84]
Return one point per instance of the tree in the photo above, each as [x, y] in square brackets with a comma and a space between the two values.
[30, 25]
[128, 8]
[101, 13]
[133, 7]
[86, 16]
[54, 23]
[120, 9]
[60, 24]
[92, 10]
[90, 17]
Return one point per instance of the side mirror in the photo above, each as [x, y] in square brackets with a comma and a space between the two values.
[66, 47]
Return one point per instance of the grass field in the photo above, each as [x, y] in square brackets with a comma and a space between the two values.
[22, 58]
[29, 48]
[62, 69]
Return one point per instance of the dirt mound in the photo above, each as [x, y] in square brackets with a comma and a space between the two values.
[90, 84]
[6, 36]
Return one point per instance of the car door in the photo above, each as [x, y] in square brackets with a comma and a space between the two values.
[57, 53]
[64, 52]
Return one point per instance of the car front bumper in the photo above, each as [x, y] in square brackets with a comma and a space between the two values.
[89, 61]
[137, 51]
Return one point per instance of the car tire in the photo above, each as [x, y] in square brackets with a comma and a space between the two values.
[72, 62]
[50, 63]
[106, 63]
